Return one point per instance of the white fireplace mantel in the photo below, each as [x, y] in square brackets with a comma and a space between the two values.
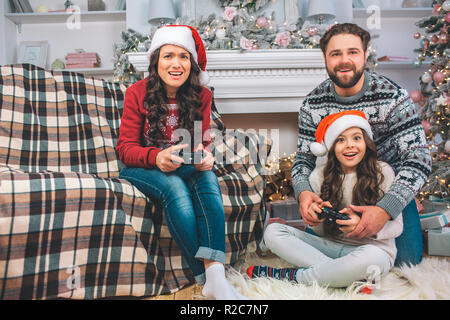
[258, 81]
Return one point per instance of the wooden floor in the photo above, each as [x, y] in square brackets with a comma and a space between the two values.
[193, 292]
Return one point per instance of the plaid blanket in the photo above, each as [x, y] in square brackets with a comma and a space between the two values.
[69, 228]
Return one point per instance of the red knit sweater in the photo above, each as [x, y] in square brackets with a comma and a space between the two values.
[134, 125]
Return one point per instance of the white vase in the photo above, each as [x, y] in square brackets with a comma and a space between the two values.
[371, 2]
[343, 10]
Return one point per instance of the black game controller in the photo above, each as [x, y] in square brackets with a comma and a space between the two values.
[192, 157]
[332, 215]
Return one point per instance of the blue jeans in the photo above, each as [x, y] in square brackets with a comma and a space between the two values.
[193, 210]
[410, 244]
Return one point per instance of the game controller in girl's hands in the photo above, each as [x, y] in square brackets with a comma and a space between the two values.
[332, 215]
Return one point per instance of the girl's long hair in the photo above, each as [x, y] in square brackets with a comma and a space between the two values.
[367, 189]
[156, 101]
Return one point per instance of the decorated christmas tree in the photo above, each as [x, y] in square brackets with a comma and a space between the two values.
[433, 97]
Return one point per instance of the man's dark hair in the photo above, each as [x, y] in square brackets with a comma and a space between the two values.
[345, 28]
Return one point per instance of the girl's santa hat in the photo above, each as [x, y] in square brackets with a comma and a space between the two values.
[186, 37]
[333, 125]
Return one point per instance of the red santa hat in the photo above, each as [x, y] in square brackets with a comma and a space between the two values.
[333, 125]
[186, 37]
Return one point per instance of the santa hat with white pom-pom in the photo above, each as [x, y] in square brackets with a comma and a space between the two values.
[186, 37]
[333, 125]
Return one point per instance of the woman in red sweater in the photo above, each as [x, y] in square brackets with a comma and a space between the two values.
[158, 111]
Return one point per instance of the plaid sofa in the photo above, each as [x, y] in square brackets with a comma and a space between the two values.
[69, 227]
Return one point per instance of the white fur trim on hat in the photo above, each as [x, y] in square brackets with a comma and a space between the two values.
[343, 123]
[335, 129]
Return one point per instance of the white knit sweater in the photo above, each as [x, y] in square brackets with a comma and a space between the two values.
[385, 238]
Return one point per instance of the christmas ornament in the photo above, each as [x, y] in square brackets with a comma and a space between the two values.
[426, 78]
[426, 126]
[415, 96]
[434, 38]
[438, 77]
[447, 17]
[446, 5]
[417, 35]
[447, 146]
[438, 139]
[312, 31]
[261, 22]
[443, 38]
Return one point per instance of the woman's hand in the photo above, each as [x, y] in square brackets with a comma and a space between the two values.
[166, 161]
[207, 160]
[348, 225]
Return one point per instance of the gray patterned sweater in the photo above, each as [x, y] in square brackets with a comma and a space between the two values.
[397, 130]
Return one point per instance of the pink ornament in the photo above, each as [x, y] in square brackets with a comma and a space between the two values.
[415, 96]
[282, 39]
[417, 35]
[261, 22]
[443, 38]
[426, 126]
[312, 31]
[229, 13]
[246, 44]
[438, 77]
[447, 17]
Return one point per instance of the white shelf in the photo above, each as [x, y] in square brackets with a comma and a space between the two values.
[395, 13]
[61, 17]
[401, 65]
[91, 71]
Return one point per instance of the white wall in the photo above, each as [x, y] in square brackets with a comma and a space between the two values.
[92, 36]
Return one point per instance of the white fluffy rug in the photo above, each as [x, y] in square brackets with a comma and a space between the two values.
[428, 280]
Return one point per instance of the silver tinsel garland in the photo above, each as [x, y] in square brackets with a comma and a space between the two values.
[251, 5]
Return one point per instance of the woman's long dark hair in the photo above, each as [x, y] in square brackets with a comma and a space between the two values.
[367, 189]
[156, 102]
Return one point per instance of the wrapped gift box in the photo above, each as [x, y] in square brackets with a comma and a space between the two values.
[286, 212]
[434, 220]
[439, 242]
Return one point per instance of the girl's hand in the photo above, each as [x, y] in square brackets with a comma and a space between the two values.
[315, 208]
[305, 199]
[348, 225]
[207, 160]
[166, 161]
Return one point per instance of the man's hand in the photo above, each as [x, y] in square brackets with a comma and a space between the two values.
[372, 221]
[305, 199]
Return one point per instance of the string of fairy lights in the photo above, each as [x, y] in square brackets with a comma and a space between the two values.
[433, 98]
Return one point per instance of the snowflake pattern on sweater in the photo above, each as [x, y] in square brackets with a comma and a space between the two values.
[398, 135]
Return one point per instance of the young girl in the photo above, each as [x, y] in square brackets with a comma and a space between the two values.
[170, 99]
[351, 175]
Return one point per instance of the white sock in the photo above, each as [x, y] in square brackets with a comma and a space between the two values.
[217, 286]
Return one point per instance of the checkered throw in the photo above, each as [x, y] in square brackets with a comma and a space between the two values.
[69, 228]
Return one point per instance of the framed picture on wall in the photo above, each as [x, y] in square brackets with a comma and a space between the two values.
[33, 52]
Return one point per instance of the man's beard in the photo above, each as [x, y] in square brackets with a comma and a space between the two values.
[357, 74]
